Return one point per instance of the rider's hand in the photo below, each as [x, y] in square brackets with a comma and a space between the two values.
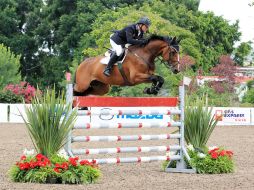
[144, 42]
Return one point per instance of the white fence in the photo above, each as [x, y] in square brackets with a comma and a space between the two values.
[11, 113]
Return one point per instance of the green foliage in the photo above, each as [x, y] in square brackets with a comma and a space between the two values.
[198, 122]
[18, 21]
[241, 52]
[7, 96]
[225, 99]
[214, 34]
[249, 96]
[250, 84]
[106, 22]
[48, 122]
[9, 66]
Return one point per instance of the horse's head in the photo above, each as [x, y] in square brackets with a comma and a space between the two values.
[170, 54]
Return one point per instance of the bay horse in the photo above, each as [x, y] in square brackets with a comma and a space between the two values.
[138, 67]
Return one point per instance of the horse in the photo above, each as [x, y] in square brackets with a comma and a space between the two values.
[138, 67]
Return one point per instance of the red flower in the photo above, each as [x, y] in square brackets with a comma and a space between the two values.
[85, 162]
[229, 153]
[33, 164]
[65, 166]
[213, 150]
[23, 157]
[223, 153]
[24, 166]
[214, 155]
[73, 161]
[57, 170]
[39, 157]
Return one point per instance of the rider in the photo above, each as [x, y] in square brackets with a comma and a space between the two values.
[132, 34]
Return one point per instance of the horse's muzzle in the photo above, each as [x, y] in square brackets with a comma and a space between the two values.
[175, 68]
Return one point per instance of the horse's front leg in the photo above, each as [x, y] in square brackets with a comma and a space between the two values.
[157, 82]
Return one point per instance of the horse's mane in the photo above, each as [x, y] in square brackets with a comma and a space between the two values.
[158, 37]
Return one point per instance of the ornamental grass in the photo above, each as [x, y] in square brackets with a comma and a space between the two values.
[49, 120]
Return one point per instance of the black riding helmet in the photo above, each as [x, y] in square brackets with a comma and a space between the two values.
[145, 20]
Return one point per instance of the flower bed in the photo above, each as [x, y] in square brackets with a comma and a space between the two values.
[212, 160]
[57, 169]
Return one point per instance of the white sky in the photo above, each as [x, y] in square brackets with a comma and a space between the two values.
[233, 10]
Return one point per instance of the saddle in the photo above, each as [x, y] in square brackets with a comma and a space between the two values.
[107, 55]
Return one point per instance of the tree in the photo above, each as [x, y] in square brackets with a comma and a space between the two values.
[241, 52]
[18, 20]
[106, 22]
[225, 70]
[9, 67]
[46, 32]
[214, 34]
[189, 4]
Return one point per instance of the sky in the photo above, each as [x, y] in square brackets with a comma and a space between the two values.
[233, 10]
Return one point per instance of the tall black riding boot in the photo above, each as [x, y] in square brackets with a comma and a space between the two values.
[110, 65]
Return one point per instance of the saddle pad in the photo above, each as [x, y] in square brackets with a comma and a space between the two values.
[105, 61]
[106, 58]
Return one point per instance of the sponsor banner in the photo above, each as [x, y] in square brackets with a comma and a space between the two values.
[4, 113]
[130, 118]
[232, 116]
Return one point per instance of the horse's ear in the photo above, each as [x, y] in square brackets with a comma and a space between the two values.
[178, 41]
[173, 41]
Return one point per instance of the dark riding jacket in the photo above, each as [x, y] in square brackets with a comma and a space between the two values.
[128, 35]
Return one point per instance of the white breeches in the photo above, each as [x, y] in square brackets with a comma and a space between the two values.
[117, 48]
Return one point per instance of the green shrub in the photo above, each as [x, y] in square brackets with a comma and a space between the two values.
[249, 96]
[7, 96]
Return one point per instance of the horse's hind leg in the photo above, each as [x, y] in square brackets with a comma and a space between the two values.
[102, 90]
[99, 88]
[81, 89]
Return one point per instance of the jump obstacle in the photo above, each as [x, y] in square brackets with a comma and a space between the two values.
[135, 103]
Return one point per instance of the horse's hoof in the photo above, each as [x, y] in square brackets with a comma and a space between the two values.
[146, 90]
[155, 92]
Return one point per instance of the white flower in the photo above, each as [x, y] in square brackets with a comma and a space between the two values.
[201, 155]
[62, 153]
[28, 152]
[190, 147]
[212, 147]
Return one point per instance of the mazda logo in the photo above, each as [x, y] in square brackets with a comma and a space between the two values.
[106, 117]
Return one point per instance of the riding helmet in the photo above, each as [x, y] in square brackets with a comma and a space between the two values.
[145, 20]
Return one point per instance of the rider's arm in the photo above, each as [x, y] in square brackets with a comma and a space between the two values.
[130, 39]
